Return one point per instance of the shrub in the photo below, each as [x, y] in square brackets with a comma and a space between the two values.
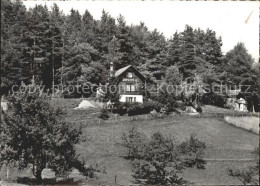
[104, 114]
[214, 99]
[120, 108]
[160, 160]
[199, 109]
[180, 105]
[134, 142]
[153, 105]
[159, 163]
[138, 109]
[249, 176]
[193, 151]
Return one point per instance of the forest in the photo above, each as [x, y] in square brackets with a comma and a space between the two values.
[52, 48]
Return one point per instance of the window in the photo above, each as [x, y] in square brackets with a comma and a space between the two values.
[132, 88]
[129, 74]
[130, 99]
[128, 88]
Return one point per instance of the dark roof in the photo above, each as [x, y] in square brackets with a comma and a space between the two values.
[122, 70]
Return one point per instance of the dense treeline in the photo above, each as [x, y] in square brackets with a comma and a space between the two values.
[56, 49]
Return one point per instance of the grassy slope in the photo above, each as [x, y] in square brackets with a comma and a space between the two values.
[223, 141]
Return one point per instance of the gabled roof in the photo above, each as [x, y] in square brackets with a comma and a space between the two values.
[122, 70]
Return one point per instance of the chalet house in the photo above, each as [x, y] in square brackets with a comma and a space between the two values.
[130, 83]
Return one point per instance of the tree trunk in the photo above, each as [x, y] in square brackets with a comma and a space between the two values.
[38, 176]
[53, 70]
[37, 172]
[253, 108]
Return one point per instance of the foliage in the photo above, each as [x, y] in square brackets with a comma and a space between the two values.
[187, 63]
[199, 109]
[214, 99]
[133, 109]
[73, 50]
[112, 92]
[104, 114]
[133, 141]
[238, 57]
[246, 176]
[193, 151]
[180, 105]
[33, 132]
[161, 159]
[173, 76]
[165, 94]
[249, 175]
[153, 105]
[120, 108]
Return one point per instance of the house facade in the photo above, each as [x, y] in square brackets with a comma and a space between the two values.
[130, 84]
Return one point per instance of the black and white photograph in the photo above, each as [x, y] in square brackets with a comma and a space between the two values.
[143, 92]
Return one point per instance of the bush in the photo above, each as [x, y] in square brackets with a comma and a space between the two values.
[199, 109]
[133, 109]
[249, 176]
[214, 99]
[153, 105]
[144, 108]
[193, 152]
[160, 160]
[104, 114]
[180, 105]
[134, 142]
[138, 109]
[120, 108]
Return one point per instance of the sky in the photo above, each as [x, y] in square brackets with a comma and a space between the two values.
[226, 18]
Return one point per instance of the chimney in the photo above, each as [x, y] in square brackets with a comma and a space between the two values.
[111, 69]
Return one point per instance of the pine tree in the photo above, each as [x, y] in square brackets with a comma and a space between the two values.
[71, 67]
[125, 44]
[40, 45]
[174, 50]
[88, 28]
[56, 42]
[187, 63]
[156, 58]
[14, 33]
[106, 29]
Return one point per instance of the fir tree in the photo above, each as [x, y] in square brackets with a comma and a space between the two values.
[187, 62]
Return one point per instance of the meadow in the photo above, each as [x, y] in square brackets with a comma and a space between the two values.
[227, 145]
